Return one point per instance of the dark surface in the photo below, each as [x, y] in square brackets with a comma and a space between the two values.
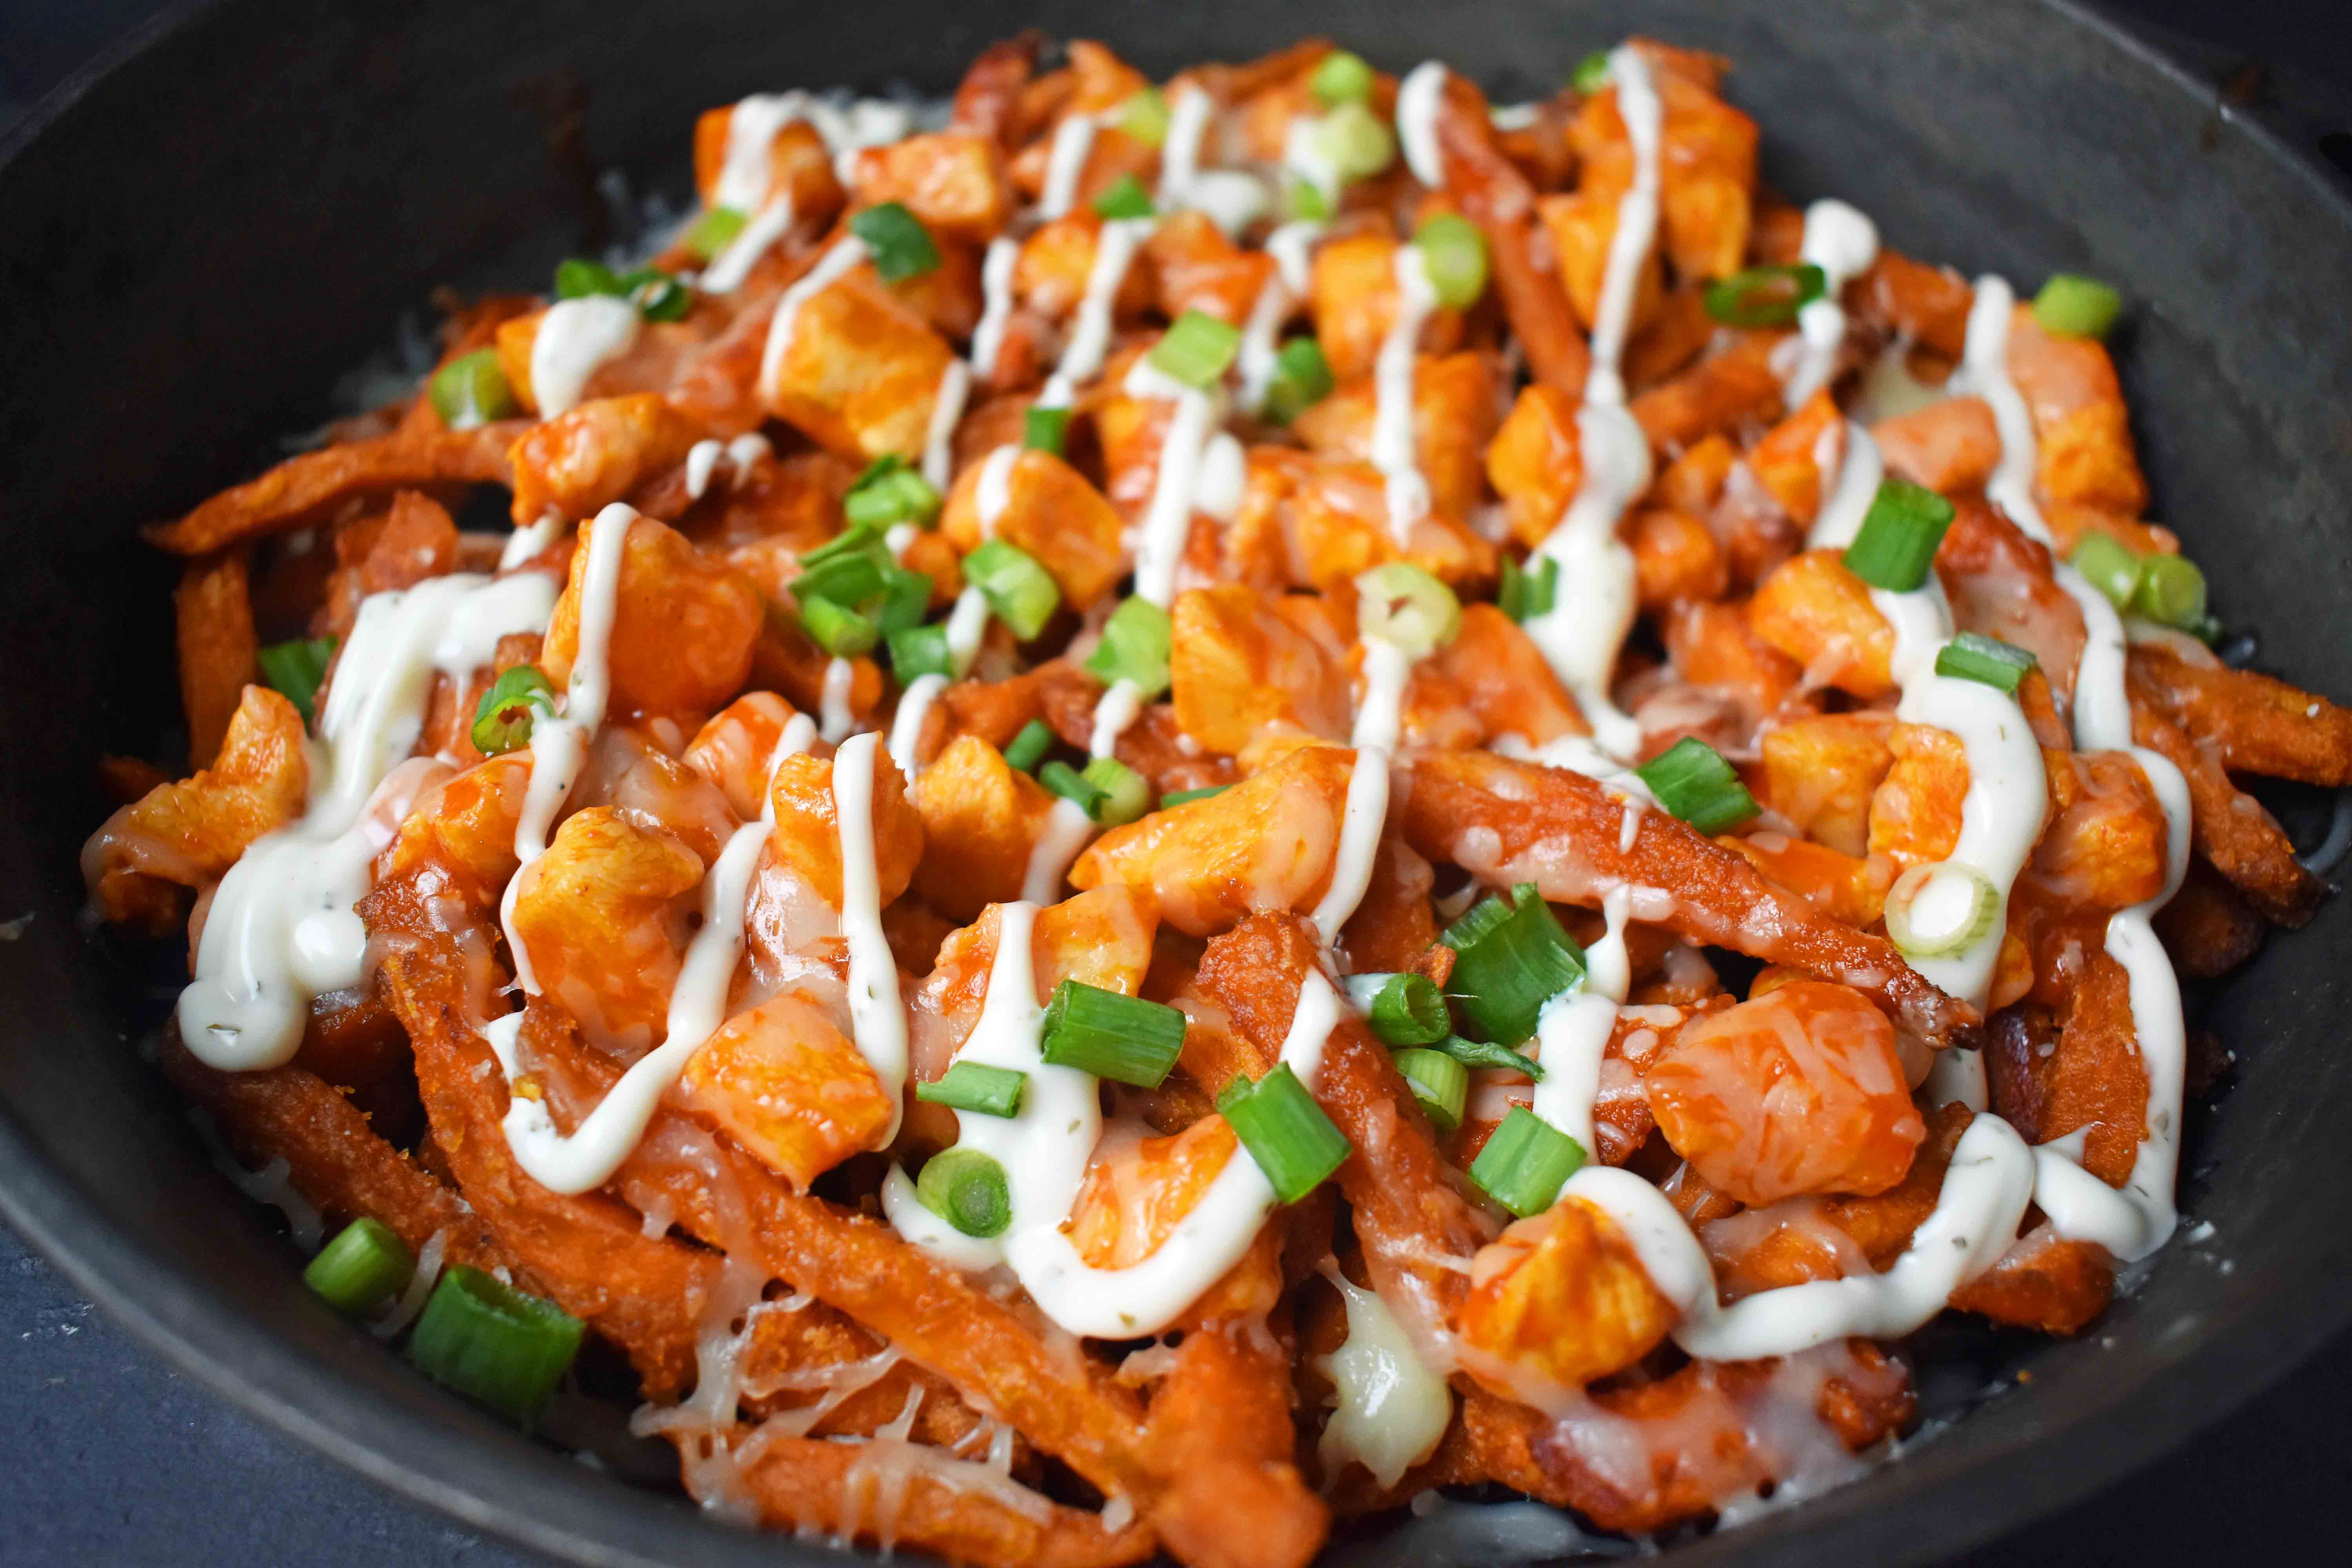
[106, 1456]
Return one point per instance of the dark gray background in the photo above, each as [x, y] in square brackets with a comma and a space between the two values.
[106, 1456]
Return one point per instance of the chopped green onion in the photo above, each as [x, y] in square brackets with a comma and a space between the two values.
[1530, 591]
[901, 247]
[1692, 781]
[1936, 911]
[1111, 1035]
[494, 1343]
[1016, 587]
[1046, 429]
[295, 669]
[1486, 1054]
[1402, 1009]
[1454, 254]
[1973, 656]
[1125, 796]
[1592, 73]
[975, 1086]
[967, 1189]
[1342, 77]
[1144, 116]
[859, 538]
[2171, 592]
[844, 579]
[1407, 608]
[1196, 349]
[1765, 296]
[1186, 796]
[360, 1268]
[1305, 199]
[471, 390]
[836, 628]
[1302, 378]
[503, 719]
[2076, 307]
[576, 278]
[657, 296]
[1895, 547]
[918, 651]
[1135, 645]
[1440, 1083]
[1511, 957]
[1289, 1136]
[1526, 1162]
[2109, 565]
[1125, 198]
[890, 491]
[1355, 142]
[1029, 747]
[1071, 784]
[713, 231]
[906, 598]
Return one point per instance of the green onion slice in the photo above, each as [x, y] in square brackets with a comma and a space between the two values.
[901, 247]
[906, 598]
[1895, 547]
[576, 278]
[1111, 1035]
[1186, 796]
[1592, 73]
[1765, 296]
[1973, 656]
[836, 628]
[1406, 607]
[471, 390]
[504, 717]
[849, 580]
[2075, 307]
[2171, 591]
[1125, 198]
[1135, 645]
[1440, 1083]
[1511, 956]
[1196, 349]
[967, 1189]
[1936, 911]
[1525, 1162]
[1046, 429]
[1692, 781]
[360, 1269]
[295, 670]
[1305, 199]
[890, 491]
[1071, 785]
[1486, 1054]
[1029, 747]
[1529, 591]
[918, 651]
[713, 231]
[1016, 587]
[1145, 117]
[1302, 378]
[494, 1343]
[976, 1087]
[2109, 565]
[1341, 78]
[657, 296]
[1402, 1009]
[1355, 142]
[1124, 795]
[1289, 1136]
[1454, 254]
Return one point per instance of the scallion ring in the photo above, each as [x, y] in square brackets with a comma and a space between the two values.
[967, 1189]
[1765, 296]
[507, 710]
[1939, 910]
[1404, 607]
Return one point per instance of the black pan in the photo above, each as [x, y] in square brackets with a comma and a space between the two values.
[196, 242]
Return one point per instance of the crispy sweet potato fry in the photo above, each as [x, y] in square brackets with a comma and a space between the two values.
[310, 486]
[2231, 828]
[213, 620]
[2261, 725]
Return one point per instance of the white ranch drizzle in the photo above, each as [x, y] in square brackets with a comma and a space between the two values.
[947, 411]
[840, 676]
[1167, 517]
[1843, 242]
[1394, 449]
[992, 496]
[906, 727]
[531, 539]
[739, 255]
[836, 264]
[1065, 161]
[1594, 606]
[877, 1016]
[1378, 720]
[1276, 304]
[574, 339]
[281, 929]
[747, 169]
[1082, 356]
[702, 460]
[1418, 99]
[996, 303]
[1572, 1031]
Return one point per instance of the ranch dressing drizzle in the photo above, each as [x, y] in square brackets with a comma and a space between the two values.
[878, 1019]
[1843, 242]
[836, 264]
[702, 460]
[575, 338]
[947, 411]
[996, 303]
[1168, 518]
[840, 676]
[1594, 604]
[1395, 449]
[1574, 1029]
[1065, 161]
[281, 929]
[1378, 720]
[1276, 302]
[1082, 356]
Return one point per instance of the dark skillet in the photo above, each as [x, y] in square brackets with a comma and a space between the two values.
[195, 243]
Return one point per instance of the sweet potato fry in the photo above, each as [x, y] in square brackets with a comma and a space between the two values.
[213, 620]
[2230, 827]
[2261, 725]
[310, 486]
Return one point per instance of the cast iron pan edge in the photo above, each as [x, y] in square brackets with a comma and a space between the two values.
[395, 1431]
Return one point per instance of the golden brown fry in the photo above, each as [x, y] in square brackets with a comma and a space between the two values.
[2261, 725]
[213, 623]
[2231, 828]
[1222, 1421]
[2209, 928]
[988, 98]
[310, 486]
[1511, 822]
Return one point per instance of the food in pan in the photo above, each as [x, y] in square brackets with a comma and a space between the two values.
[1183, 808]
